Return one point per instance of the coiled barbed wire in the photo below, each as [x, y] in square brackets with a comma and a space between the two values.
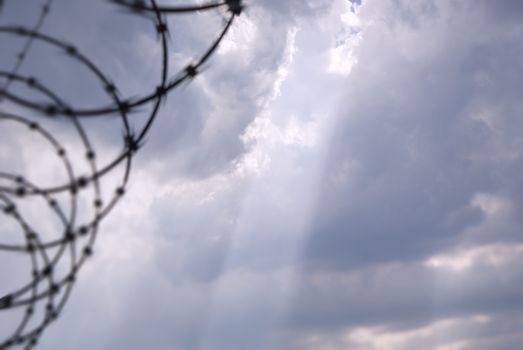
[56, 261]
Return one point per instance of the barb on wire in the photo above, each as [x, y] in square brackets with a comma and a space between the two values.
[56, 262]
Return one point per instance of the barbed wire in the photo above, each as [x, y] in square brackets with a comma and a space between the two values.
[55, 262]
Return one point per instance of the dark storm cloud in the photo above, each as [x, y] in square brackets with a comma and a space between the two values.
[505, 9]
[410, 152]
[405, 296]
[430, 122]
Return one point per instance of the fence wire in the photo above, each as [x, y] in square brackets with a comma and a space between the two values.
[40, 300]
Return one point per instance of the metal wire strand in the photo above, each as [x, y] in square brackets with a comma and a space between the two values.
[43, 296]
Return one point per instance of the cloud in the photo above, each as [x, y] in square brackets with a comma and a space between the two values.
[342, 175]
[411, 149]
[416, 169]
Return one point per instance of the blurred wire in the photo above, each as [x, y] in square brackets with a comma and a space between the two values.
[44, 295]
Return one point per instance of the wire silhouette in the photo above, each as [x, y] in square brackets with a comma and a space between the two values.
[55, 263]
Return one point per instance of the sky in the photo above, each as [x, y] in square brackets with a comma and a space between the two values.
[342, 175]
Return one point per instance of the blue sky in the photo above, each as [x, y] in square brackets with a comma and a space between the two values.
[341, 176]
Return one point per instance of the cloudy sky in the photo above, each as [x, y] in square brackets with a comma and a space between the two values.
[343, 175]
